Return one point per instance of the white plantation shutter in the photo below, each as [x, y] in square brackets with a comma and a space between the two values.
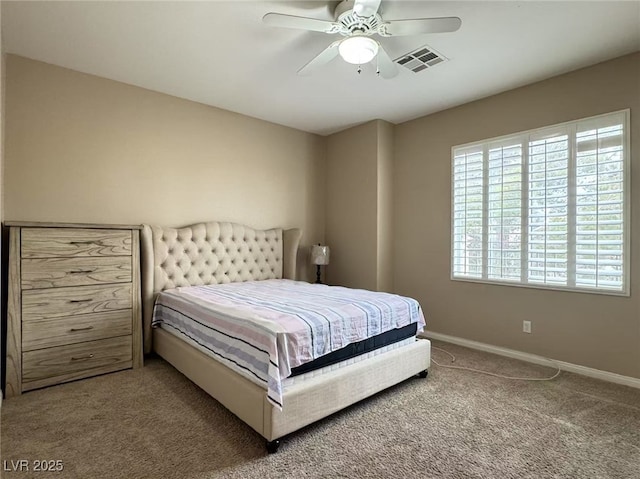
[600, 214]
[546, 208]
[467, 212]
[504, 210]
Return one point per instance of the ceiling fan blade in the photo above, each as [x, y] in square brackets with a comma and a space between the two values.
[420, 25]
[386, 67]
[366, 8]
[302, 23]
[324, 57]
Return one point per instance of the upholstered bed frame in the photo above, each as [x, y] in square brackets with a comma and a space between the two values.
[215, 252]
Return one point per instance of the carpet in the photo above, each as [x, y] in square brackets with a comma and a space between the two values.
[154, 423]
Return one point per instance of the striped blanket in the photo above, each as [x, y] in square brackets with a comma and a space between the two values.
[263, 329]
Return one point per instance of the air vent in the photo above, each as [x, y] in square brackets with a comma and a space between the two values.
[420, 59]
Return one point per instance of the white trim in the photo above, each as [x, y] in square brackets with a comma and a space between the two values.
[524, 212]
[572, 188]
[627, 202]
[485, 210]
[532, 358]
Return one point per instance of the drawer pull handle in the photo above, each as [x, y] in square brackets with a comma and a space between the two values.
[81, 242]
[81, 271]
[80, 300]
[72, 330]
[81, 358]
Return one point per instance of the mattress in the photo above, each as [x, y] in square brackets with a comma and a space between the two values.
[265, 329]
[358, 348]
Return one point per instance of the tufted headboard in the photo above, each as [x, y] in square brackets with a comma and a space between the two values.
[211, 253]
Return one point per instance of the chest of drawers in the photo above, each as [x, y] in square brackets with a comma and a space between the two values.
[74, 307]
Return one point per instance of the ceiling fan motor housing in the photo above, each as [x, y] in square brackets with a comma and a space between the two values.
[351, 23]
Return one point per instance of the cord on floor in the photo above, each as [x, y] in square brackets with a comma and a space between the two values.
[453, 359]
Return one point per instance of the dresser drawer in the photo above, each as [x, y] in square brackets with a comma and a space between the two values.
[61, 360]
[55, 242]
[75, 329]
[59, 272]
[71, 301]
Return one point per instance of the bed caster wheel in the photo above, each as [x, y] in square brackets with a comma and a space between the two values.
[272, 446]
[423, 374]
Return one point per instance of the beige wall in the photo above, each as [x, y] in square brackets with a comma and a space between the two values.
[359, 206]
[86, 149]
[596, 331]
[2, 116]
[2, 90]
[385, 207]
[351, 206]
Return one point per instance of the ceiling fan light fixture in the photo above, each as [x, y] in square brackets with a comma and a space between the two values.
[358, 50]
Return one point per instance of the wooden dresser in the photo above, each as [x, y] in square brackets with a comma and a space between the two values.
[74, 306]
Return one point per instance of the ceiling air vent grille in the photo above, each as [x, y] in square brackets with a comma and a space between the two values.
[420, 59]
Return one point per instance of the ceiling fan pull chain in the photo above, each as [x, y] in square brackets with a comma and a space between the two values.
[359, 70]
[377, 65]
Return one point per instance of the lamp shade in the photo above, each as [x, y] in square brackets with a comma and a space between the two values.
[358, 50]
[320, 254]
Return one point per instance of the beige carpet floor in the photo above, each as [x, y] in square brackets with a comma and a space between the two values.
[154, 423]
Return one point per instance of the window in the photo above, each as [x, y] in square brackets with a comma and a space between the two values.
[545, 208]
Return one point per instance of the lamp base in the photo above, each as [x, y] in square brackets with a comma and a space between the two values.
[318, 275]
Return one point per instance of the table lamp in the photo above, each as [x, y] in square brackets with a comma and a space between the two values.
[319, 257]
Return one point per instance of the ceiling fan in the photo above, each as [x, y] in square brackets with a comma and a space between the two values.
[357, 21]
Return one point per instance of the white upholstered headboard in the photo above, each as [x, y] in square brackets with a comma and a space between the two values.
[211, 253]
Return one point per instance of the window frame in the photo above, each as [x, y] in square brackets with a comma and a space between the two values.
[484, 146]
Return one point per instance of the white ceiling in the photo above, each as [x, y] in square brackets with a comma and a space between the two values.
[219, 53]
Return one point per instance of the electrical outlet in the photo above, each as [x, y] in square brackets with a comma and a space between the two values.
[526, 326]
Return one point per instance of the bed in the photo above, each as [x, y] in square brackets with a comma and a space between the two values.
[185, 269]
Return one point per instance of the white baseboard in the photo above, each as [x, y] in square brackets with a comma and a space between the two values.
[532, 358]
